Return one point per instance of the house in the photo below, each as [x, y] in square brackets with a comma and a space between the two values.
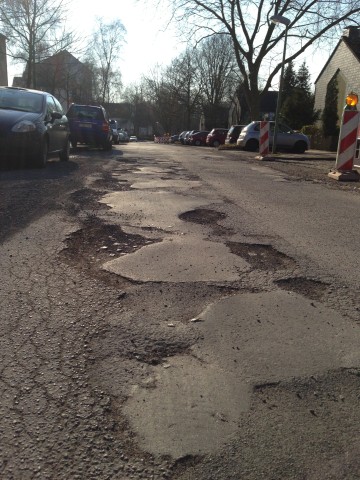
[344, 66]
[3, 61]
[239, 111]
[64, 76]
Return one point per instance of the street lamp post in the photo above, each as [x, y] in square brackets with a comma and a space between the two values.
[284, 21]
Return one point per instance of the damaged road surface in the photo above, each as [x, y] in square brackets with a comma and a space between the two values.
[178, 313]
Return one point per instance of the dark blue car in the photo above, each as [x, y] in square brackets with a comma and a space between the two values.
[32, 128]
[89, 124]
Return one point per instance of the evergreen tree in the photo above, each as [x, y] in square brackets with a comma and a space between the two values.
[329, 115]
[289, 82]
[303, 78]
[298, 107]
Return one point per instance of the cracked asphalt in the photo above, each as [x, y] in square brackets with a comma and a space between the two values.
[114, 369]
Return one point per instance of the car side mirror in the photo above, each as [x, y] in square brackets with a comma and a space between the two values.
[56, 116]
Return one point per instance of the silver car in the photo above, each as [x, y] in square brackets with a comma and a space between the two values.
[287, 139]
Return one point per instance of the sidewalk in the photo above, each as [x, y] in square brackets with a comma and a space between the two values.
[308, 155]
[313, 155]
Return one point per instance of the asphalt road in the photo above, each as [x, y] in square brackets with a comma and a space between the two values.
[179, 312]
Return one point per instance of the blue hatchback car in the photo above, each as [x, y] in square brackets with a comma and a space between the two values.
[89, 124]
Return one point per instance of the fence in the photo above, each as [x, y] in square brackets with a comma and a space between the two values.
[165, 139]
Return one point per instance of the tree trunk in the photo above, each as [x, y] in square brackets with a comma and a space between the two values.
[254, 105]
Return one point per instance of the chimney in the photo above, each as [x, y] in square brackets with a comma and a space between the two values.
[352, 32]
[3, 63]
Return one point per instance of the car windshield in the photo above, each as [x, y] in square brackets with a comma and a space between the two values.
[282, 128]
[285, 128]
[84, 113]
[21, 100]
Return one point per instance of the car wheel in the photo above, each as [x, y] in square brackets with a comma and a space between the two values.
[64, 155]
[74, 144]
[252, 145]
[216, 143]
[41, 158]
[197, 143]
[300, 147]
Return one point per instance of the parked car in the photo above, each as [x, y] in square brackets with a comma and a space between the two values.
[233, 133]
[123, 135]
[133, 138]
[188, 135]
[216, 137]
[182, 136]
[115, 133]
[32, 128]
[287, 138]
[89, 124]
[199, 138]
[174, 138]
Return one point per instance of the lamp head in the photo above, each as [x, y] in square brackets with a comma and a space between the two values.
[280, 19]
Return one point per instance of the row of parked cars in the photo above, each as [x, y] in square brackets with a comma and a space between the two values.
[246, 137]
[33, 126]
[212, 138]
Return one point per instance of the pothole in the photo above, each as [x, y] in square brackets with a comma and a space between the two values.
[110, 183]
[91, 246]
[203, 216]
[313, 289]
[155, 352]
[87, 198]
[261, 257]
[143, 344]
[192, 177]
[127, 160]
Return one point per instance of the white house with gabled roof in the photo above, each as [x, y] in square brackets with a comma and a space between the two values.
[344, 64]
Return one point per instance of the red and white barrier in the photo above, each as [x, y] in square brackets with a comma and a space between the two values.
[347, 141]
[165, 139]
[346, 152]
[264, 139]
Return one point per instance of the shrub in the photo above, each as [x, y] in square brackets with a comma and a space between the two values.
[310, 130]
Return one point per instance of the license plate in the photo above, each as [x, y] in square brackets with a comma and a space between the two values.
[85, 125]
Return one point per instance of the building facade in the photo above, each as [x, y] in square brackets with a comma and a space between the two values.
[64, 76]
[344, 66]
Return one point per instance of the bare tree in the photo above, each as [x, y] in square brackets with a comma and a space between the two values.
[35, 30]
[185, 86]
[217, 72]
[160, 96]
[141, 108]
[174, 93]
[257, 42]
[197, 83]
[103, 53]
